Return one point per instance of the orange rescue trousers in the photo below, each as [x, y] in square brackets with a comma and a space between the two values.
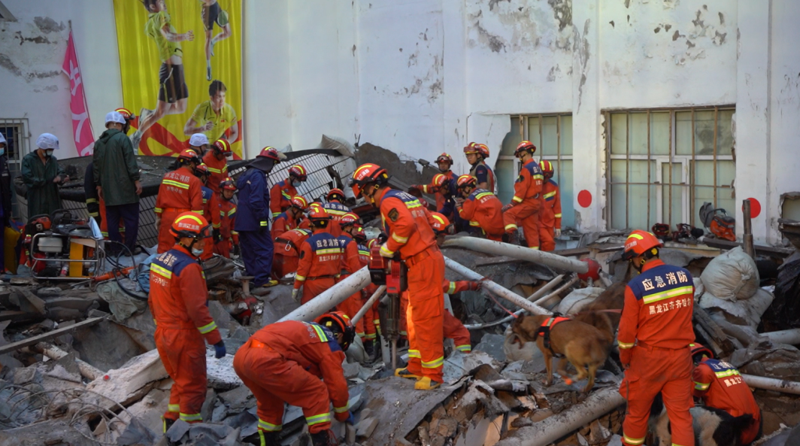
[654, 370]
[547, 240]
[183, 352]
[526, 215]
[452, 328]
[314, 287]
[425, 314]
[283, 265]
[350, 307]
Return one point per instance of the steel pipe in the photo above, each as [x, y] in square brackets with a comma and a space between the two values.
[791, 337]
[368, 305]
[779, 385]
[495, 288]
[518, 252]
[547, 287]
[330, 298]
[560, 290]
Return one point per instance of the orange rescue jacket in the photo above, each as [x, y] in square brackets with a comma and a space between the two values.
[180, 190]
[320, 257]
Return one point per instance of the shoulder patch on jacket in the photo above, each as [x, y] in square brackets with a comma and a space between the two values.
[393, 214]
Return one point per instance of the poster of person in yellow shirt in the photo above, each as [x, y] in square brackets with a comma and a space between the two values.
[181, 83]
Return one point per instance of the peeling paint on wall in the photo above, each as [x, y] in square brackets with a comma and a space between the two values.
[581, 57]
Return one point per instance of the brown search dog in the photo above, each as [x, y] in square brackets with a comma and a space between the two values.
[584, 345]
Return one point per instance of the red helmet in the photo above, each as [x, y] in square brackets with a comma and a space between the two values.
[525, 146]
[547, 166]
[640, 242]
[371, 242]
[299, 172]
[127, 114]
[318, 213]
[227, 184]
[444, 158]
[359, 235]
[483, 150]
[189, 155]
[368, 174]
[299, 202]
[338, 322]
[335, 194]
[439, 223]
[202, 169]
[223, 145]
[190, 224]
[271, 153]
[439, 180]
[470, 148]
[698, 349]
[348, 219]
[466, 181]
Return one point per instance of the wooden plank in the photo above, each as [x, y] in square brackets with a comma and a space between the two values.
[50, 334]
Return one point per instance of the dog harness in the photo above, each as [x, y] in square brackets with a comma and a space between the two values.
[544, 331]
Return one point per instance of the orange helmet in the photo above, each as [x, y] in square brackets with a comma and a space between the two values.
[338, 322]
[466, 181]
[223, 146]
[202, 169]
[470, 148]
[299, 172]
[547, 166]
[444, 158]
[359, 235]
[525, 146]
[299, 202]
[640, 242]
[698, 349]
[318, 213]
[440, 222]
[335, 194]
[439, 180]
[127, 114]
[227, 184]
[271, 153]
[483, 150]
[190, 224]
[348, 219]
[368, 174]
[190, 156]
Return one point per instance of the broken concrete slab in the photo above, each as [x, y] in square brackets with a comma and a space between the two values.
[124, 385]
[493, 345]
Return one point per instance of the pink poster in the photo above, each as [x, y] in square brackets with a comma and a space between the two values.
[81, 125]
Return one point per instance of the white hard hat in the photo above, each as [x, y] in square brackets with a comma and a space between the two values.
[115, 116]
[198, 139]
[47, 141]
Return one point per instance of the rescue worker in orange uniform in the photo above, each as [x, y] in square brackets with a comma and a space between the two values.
[298, 363]
[372, 323]
[289, 219]
[410, 236]
[210, 210]
[320, 259]
[351, 264]
[180, 191]
[178, 297]
[444, 162]
[481, 208]
[526, 202]
[280, 196]
[720, 386]
[477, 154]
[216, 160]
[228, 238]
[287, 252]
[550, 215]
[655, 332]
[336, 208]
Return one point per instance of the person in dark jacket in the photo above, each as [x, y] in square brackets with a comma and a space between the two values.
[116, 175]
[42, 175]
[5, 199]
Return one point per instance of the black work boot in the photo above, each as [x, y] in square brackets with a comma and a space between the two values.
[263, 438]
[324, 438]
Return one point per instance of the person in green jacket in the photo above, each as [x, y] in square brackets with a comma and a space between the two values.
[116, 175]
[42, 175]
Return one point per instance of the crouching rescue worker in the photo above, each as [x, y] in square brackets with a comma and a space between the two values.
[287, 252]
[180, 191]
[655, 332]
[228, 238]
[336, 208]
[290, 218]
[720, 386]
[320, 259]
[280, 196]
[550, 215]
[526, 202]
[481, 208]
[444, 162]
[283, 363]
[178, 297]
[410, 236]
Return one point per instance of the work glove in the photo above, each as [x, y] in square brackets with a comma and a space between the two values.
[415, 187]
[557, 232]
[296, 295]
[382, 238]
[475, 286]
[219, 350]
[351, 420]
[450, 229]
[625, 357]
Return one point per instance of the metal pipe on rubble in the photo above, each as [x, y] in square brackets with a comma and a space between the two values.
[368, 305]
[779, 385]
[518, 252]
[547, 287]
[557, 292]
[791, 337]
[495, 288]
[557, 426]
[332, 297]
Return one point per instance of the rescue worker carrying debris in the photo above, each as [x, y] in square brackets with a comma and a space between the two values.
[210, 210]
[180, 191]
[350, 265]
[283, 363]
[550, 215]
[720, 386]
[178, 297]
[477, 154]
[287, 252]
[444, 162]
[320, 259]
[336, 208]
[410, 235]
[481, 208]
[655, 331]
[228, 238]
[282, 192]
[290, 218]
[217, 161]
[526, 202]
[252, 219]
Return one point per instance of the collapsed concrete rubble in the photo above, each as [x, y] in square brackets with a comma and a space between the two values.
[79, 364]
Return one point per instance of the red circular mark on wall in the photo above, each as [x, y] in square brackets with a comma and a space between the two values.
[585, 198]
[755, 208]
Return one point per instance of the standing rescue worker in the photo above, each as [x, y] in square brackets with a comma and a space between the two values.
[283, 363]
[444, 162]
[481, 208]
[550, 215]
[336, 208]
[199, 144]
[5, 198]
[526, 202]
[180, 191]
[372, 323]
[411, 236]
[350, 265]
[228, 238]
[42, 175]
[252, 219]
[477, 154]
[654, 336]
[217, 161]
[178, 298]
[320, 255]
[720, 386]
[210, 210]
[290, 218]
[287, 252]
[282, 192]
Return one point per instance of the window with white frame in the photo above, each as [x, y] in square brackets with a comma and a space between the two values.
[663, 164]
[552, 136]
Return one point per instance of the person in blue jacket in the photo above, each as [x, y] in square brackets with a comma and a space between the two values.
[252, 217]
